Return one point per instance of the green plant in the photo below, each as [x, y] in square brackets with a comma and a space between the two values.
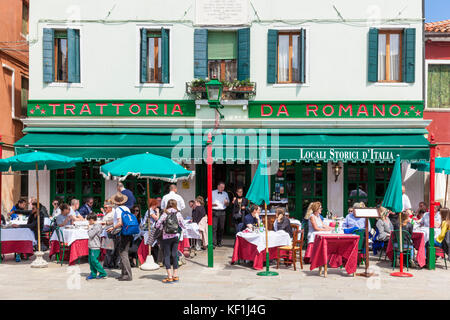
[198, 83]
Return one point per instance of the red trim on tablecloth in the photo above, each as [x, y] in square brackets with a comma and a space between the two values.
[21, 246]
[78, 249]
[336, 250]
[418, 239]
[244, 250]
[143, 249]
[308, 253]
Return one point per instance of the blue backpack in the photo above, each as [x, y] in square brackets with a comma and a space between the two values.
[130, 225]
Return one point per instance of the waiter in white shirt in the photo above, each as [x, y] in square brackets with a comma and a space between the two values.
[173, 195]
[220, 202]
[405, 199]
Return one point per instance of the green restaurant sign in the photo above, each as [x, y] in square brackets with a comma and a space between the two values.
[335, 109]
[115, 108]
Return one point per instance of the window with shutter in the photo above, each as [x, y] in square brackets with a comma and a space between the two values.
[154, 56]
[389, 55]
[222, 55]
[61, 57]
[438, 86]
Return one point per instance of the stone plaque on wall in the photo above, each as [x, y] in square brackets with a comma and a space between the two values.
[221, 12]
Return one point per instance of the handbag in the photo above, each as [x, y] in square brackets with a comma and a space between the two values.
[112, 234]
[158, 234]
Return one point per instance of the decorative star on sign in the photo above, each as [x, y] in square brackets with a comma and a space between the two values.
[32, 111]
[412, 107]
[38, 107]
[406, 113]
[42, 111]
[418, 113]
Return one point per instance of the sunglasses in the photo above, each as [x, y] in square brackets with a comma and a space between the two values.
[137, 210]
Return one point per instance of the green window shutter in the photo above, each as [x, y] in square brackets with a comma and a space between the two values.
[143, 70]
[165, 55]
[302, 55]
[48, 55]
[409, 55]
[243, 54]
[200, 53]
[372, 74]
[272, 41]
[73, 55]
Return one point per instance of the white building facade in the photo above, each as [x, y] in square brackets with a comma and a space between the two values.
[333, 89]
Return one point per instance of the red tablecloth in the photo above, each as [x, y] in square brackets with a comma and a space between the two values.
[78, 248]
[308, 253]
[335, 250]
[143, 249]
[244, 250]
[21, 246]
[418, 239]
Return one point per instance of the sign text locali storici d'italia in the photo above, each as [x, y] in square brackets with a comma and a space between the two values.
[117, 108]
[336, 109]
[335, 154]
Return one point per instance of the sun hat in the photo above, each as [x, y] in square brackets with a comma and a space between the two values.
[118, 199]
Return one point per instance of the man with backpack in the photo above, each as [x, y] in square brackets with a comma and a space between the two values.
[129, 226]
[171, 221]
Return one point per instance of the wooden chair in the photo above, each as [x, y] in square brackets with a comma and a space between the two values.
[292, 250]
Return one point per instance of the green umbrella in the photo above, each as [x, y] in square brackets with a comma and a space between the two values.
[393, 196]
[258, 193]
[38, 160]
[393, 201]
[440, 164]
[145, 165]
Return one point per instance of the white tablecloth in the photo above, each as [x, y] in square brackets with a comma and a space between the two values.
[295, 221]
[192, 231]
[276, 239]
[18, 234]
[71, 235]
[426, 231]
[312, 235]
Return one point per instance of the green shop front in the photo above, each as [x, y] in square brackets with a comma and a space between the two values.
[335, 152]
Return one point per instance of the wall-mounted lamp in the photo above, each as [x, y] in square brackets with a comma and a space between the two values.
[337, 169]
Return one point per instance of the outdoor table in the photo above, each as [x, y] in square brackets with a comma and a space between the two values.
[17, 240]
[252, 246]
[143, 248]
[335, 250]
[76, 239]
[418, 239]
[309, 248]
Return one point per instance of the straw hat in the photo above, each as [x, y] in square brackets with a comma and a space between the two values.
[118, 199]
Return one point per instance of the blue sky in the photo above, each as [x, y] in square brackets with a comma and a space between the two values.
[437, 10]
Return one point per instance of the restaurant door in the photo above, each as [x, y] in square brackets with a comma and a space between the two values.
[233, 175]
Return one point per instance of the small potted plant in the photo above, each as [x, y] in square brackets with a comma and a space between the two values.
[198, 85]
[243, 85]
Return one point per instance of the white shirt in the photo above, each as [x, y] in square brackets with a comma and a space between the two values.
[175, 196]
[118, 214]
[406, 202]
[74, 213]
[219, 199]
[56, 212]
[426, 219]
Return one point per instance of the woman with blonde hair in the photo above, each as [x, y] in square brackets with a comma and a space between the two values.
[315, 223]
[384, 225]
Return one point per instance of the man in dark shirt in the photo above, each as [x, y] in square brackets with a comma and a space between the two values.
[131, 199]
[32, 223]
[252, 218]
[87, 207]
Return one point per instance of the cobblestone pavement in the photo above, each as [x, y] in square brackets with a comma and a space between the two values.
[224, 281]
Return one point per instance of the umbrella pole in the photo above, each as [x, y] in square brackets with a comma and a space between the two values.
[267, 272]
[39, 262]
[401, 273]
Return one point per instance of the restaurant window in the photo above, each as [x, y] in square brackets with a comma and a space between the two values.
[80, 182]
[389, 55]
[24, 97]
[299, 184]
[289, 57]
[139, 189]
[24, 18]
[365, 182]
[438, 86]
[61, 57]
[222, 55]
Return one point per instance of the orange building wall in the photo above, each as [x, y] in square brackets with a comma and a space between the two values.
[13, 54]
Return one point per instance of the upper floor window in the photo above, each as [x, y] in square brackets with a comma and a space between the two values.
[222, 55]
[24, 18]
[438, 86]
[286, 53]
[154, 56]
[61, 55]
[391, 55]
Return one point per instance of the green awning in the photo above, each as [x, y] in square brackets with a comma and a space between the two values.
[233, 146]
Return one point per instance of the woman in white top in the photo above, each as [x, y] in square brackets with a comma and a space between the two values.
[56, 209]
[314, 222]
